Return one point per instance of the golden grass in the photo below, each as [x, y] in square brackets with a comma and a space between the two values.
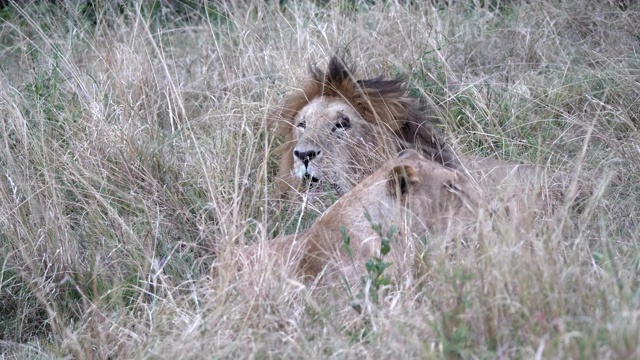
[134, 152]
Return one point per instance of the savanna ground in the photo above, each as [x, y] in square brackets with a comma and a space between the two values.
[134, 151]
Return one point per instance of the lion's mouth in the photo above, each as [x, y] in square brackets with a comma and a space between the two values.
[318, 188]
[310, 180]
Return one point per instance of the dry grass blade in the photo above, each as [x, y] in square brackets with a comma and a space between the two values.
[135, 155]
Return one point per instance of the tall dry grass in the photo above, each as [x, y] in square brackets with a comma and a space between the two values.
[134, 153]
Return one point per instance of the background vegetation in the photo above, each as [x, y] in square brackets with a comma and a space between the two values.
[134, 152]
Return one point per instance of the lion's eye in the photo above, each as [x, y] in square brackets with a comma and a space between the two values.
[302, 125]
[344, 122]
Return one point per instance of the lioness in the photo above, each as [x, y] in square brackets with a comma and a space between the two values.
[339, 129]
[407, 195]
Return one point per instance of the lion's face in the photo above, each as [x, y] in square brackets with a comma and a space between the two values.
[332, 144]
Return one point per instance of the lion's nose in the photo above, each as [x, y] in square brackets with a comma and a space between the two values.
[306, 156]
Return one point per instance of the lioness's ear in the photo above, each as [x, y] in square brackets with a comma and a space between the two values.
[402, 179]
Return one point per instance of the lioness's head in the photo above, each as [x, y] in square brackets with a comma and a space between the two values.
[339, 129]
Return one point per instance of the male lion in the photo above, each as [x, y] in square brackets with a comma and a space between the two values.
[407, 195]
[339, 129]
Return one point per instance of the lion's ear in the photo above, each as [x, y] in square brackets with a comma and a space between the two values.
[402, 179]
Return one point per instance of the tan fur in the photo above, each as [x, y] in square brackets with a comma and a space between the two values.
[409, 193]
[382, 120]
[416, 197]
